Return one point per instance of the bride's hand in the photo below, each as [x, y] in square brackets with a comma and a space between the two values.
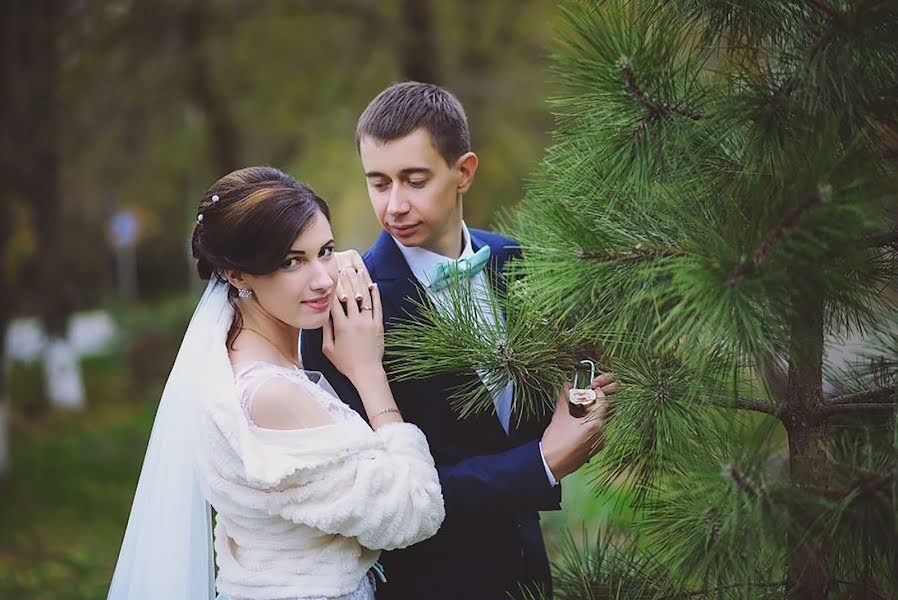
[354, 335]
[347, 258]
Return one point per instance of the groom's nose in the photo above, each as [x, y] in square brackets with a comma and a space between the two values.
[398, 203]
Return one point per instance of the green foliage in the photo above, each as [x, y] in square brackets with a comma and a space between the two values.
[608, 569]
[535, 348]
[660, 423]
[720, 202]
[722, 523]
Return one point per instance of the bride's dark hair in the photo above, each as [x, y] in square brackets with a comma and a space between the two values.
[248, 220]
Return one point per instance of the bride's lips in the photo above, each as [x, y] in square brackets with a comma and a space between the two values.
[404, 231]
[318, 304]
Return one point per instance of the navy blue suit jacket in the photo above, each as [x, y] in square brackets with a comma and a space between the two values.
[493, 483]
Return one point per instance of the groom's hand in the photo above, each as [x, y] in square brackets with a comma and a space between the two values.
[569, 442]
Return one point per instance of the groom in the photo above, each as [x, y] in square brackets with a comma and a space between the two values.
[496, 475]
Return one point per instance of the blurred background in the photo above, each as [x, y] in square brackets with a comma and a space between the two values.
[116, 116]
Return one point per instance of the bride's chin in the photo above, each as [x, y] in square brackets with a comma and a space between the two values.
[314, 321]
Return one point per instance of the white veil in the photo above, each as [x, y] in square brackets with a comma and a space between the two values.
[167, 550]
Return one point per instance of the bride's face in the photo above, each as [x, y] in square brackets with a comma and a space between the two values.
[299, 292]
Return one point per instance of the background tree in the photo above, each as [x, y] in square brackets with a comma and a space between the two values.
[30, 172]
[718, 206]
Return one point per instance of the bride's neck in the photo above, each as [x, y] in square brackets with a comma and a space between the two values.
[284, 336]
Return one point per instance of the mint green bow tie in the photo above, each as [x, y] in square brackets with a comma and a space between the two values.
[463, 267]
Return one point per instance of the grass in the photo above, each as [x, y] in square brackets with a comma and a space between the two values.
[65, 505]
[585, 511]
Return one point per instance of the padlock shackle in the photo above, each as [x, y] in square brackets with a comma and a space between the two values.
[592, 372]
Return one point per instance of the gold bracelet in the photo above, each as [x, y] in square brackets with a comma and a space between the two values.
[384, 411]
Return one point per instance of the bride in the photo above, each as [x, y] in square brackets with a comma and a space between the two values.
[305, 492]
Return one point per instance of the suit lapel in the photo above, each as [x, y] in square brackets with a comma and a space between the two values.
[399, 289]
[400, 292]
[499, 255]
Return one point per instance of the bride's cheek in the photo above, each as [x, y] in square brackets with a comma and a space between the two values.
[333, 271]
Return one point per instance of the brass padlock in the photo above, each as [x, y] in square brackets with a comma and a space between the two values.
[580, 399]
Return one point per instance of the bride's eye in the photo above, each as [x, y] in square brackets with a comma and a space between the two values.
[326, 252]
[290, 263]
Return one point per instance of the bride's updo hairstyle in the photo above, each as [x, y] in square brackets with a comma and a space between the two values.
[248, 220]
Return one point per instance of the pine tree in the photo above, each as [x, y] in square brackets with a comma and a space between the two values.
[718, 205]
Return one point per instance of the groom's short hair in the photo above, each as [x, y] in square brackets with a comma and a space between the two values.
[405, 107]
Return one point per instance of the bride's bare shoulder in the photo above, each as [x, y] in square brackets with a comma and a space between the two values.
[280, 403]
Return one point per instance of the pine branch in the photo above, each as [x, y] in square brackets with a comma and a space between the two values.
[788, 86]
[781, 93]
[654, 108]
[882, 399]
[864, 589]
[867, 483]
[824, 7]
[886, 239]
[828, 410]
[878, 396]
[761, 405]
[735, 586]
[741, 481]
[870, 482]
[637, 254]
[789, 222]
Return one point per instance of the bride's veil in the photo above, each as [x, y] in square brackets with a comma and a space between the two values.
[167, 549]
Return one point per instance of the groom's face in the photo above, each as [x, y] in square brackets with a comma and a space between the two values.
[415, 194]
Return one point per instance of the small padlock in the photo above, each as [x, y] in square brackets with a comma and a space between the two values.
[580, 399]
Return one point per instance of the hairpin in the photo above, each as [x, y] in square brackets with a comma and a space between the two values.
[215, 198]
[199, 218]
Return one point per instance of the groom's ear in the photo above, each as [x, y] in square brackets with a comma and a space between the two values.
[466, 166]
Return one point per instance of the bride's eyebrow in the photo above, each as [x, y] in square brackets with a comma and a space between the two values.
[303, 252]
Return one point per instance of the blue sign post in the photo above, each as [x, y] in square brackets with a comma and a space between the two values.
[124, 228]
[124, 231]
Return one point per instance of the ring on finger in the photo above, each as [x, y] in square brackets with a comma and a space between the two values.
[367, 308]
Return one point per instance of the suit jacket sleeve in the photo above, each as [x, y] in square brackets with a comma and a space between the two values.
[513, 480]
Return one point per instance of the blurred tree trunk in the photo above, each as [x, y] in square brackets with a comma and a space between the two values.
[32, 68]
[30, 167]
[222, 133]
[4, 394]
[6, 200]
[36, 163]
[418, 57]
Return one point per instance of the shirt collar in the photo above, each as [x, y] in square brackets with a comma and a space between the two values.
[423, 263]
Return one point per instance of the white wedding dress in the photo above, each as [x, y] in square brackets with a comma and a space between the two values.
[299, 513]
[249, 377]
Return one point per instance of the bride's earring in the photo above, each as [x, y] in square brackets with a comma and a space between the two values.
[244, 292]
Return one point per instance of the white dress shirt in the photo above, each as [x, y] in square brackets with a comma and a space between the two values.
[423, 264]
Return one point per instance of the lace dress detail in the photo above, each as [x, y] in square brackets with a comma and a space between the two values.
[249, 377]
[252, 375]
